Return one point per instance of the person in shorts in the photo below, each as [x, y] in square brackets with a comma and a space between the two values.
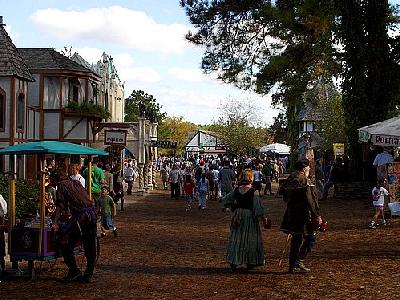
[378, 196]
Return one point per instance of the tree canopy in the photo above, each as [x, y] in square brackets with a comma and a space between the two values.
[285, 46]
[141, 104]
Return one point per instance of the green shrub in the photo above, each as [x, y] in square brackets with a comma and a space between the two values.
[89, 107]
[27, 195]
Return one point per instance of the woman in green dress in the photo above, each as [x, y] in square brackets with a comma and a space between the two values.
[245, 244]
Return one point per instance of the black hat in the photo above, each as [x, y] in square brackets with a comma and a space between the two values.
[301, 164]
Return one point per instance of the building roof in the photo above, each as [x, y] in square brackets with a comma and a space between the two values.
[49, 59]
[11, 62]
[308, 113]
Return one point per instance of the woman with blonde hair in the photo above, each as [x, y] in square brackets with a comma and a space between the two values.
[245, 244]
[74, 170]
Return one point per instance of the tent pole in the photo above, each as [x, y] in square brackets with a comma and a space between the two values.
[42, 203]
[90, 178]
[11, 196]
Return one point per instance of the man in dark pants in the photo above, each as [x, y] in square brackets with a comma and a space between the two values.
[301, 217]
[81, 225]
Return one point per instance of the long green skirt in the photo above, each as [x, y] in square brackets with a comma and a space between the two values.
[245, 244]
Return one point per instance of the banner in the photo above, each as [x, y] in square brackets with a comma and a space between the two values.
[385, 140]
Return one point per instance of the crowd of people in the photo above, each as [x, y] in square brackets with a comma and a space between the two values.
[214, 177]
[237, 183]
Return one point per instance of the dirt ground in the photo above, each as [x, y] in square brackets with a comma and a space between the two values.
[164, 252]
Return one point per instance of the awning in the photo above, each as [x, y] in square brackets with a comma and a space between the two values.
[385, 133]
[276, 148]
[53, 147]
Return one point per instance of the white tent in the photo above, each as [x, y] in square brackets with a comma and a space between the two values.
[276, 148]
[385, 133]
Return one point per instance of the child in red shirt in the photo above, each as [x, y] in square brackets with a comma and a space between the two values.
[189, 187]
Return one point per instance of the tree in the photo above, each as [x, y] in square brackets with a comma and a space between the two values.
[141, 104]
[286, 46]
[279, 47]
[175, 129]
[279, 128]
[370, 77]
[240, 127]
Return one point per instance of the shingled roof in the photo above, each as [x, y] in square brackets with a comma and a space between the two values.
[11, 62]
[49, 59]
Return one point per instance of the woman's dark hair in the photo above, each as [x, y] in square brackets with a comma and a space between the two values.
[301, 164]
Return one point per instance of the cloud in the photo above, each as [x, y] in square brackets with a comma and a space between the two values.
[124, 64]
[194, 75]
[116, 25]
[13, 35]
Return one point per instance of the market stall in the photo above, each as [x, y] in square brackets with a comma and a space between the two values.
[386, 134]
[32, 239]
[276, 148]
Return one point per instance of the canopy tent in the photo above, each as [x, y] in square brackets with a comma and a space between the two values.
[41, 148]
[53, 147]
[385, 133]
[277, 148]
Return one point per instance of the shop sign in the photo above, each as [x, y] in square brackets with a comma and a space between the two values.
[115, 137]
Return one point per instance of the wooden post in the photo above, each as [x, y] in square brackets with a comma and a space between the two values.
[90, 178]
[42, 206]
[11, 196]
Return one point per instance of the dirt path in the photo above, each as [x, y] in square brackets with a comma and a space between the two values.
[164, 252]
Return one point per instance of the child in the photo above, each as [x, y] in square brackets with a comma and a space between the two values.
[189, 188]
[203, 188]
[107, 211]
[378, 195]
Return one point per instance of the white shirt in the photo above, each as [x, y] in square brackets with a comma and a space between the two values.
[380, 193]
[3, 206]
[79, 177]
[383, 158]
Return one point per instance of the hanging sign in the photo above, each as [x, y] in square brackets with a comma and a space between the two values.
[114, 137]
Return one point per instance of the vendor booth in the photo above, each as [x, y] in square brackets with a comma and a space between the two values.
[32, 238]
[276, 148]
[386, 134]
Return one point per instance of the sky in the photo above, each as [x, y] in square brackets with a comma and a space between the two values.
[146, 40]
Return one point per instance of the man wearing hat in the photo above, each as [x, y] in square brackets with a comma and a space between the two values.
[301, 217]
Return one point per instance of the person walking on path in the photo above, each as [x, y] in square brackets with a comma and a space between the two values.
[226, 179]
[302, 218]
[203, 187]
[107, 211]
[189, 187]
[174, 179]
[129, 177]
[378, 195]
[245, 244]
[98, 178]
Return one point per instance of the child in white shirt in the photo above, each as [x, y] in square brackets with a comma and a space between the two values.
[378, 195]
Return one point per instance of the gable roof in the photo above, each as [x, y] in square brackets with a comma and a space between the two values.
[11, 62]
[308, 113]
[49, 59]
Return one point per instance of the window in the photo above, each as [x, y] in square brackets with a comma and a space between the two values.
[2, 110]
[74, 88]
[21, 112]
[106, 101]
